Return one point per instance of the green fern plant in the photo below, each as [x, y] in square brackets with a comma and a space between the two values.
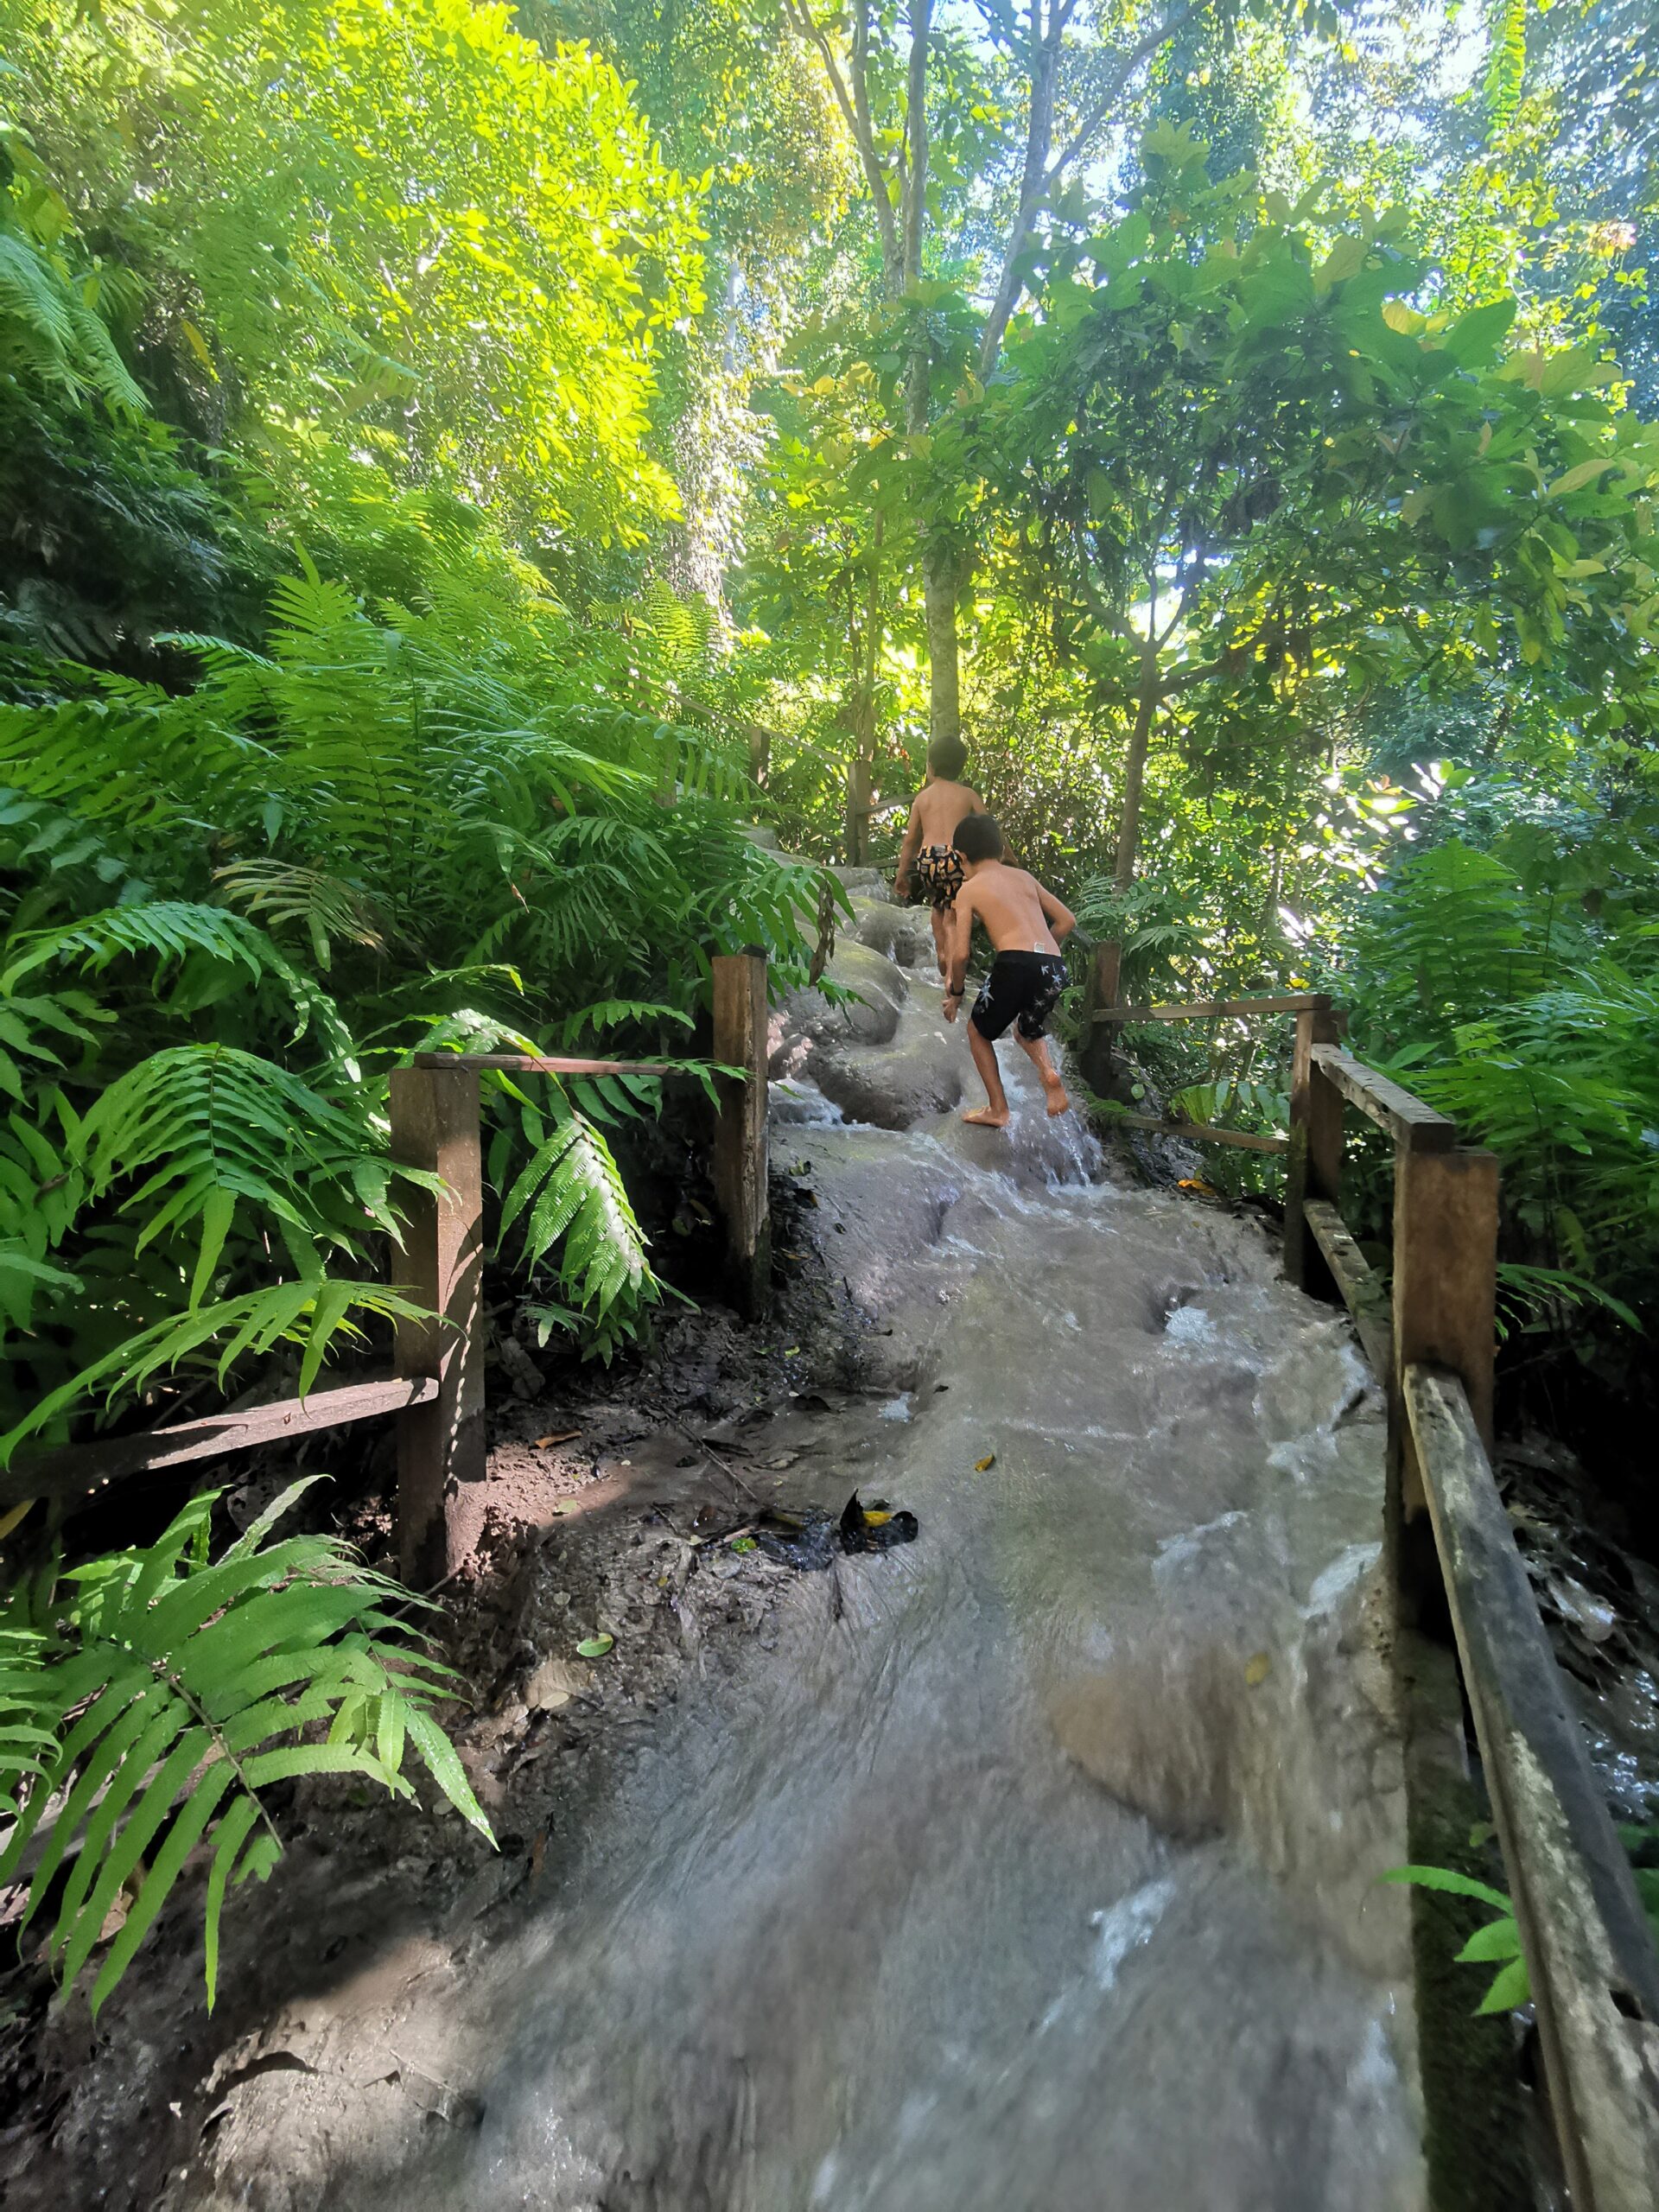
[571, 1195]
[1497, 1942]
[51, 331]
[150, 1700]
[1263, 1105]
[200, 1131]
[322, 904]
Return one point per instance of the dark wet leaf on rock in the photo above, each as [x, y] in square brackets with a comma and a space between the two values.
[874, 1528]
[813, 1540]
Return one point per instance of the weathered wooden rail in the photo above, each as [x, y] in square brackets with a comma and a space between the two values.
[1455, 1572]
[437, 1394]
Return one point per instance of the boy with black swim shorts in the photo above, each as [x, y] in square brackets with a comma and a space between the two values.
[1026, 923]
[927, 861]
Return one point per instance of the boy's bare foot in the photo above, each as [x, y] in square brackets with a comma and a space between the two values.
[1058, 1101]
[987, 1117]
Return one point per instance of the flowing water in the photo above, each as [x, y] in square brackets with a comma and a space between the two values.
[1034, 1867]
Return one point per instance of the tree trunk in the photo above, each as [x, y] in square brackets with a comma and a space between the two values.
[943, 684]
[864, 645]
[1134, 777]
[1105, 981]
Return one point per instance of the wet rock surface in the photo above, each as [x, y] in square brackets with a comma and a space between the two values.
[1030, 1864]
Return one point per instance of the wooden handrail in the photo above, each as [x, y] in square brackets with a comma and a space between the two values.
[435, 1116]
[1448, 1541]
[1407, 1120]
[1207, 1009]
[437, 1394]
[1199, 1132]
[1451, 1551]
[76, 1469]
[1591, 1961]
[1359, 1283]
[542, 1064]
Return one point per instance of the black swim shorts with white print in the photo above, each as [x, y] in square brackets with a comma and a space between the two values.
[1022, 986]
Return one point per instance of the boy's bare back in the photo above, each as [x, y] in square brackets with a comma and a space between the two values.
[1014, 907]
[937, 809]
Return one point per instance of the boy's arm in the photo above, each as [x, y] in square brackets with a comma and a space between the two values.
[908, 850]
[1061, 920]
[961, 943]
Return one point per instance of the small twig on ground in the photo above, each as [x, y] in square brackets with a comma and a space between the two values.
[726, 1468]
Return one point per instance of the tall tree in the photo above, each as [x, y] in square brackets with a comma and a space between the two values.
[1070, 71]
[1257, 466]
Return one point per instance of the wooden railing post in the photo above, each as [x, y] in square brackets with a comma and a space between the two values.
[739, 1149]
[441, 1445]
[1099, 1038]
[1444, 1314]
[1314, 1168]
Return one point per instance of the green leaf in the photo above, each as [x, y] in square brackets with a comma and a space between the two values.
[1499, 1939]
[1443, 1877]
[1510, 1988]
[1474, 337]
[227, 1841]
[445, 1768]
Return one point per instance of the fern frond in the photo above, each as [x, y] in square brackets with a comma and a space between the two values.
[22, 1274]
[323, 904]
[27, 1023]
[616, 1013]
[569, 1189]
[167, 929]
[146, 767]
[171, 932]
[50, 329]
[154, 1696]
[220, 1128]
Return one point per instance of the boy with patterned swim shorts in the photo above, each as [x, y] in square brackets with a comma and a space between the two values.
[927, 858]
[1025, 923]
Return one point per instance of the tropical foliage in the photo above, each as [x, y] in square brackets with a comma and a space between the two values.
[150, 1700]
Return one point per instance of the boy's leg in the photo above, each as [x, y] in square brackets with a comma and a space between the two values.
[1036, 1050]
[942, 917]
[994, 1114]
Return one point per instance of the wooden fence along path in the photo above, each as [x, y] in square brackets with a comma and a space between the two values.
[437, 1394]
[1451, 1555]
[1455, 1572]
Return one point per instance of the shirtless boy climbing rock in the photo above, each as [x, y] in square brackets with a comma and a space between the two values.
[1026, 923]
[927, 861]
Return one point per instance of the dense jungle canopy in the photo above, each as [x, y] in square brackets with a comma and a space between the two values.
[462, 466]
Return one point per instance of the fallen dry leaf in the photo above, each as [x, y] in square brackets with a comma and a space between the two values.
[1257, 1670]
[553, 1685]
[564, 1436]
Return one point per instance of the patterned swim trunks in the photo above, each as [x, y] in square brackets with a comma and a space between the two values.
[1022, 985]
[938, 874]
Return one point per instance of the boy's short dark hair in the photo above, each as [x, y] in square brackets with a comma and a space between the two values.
[978, 838]
[947, 757]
